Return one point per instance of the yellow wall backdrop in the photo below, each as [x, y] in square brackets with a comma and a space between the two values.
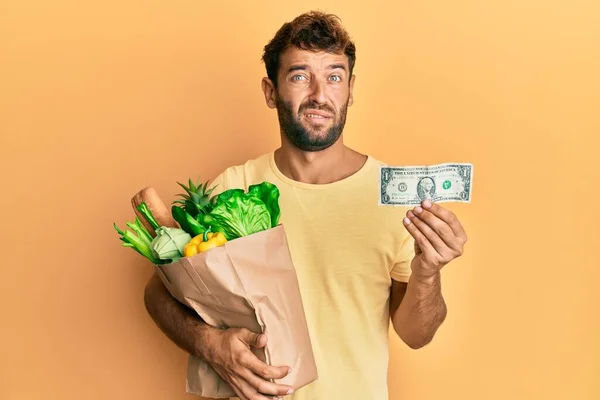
[99, 99]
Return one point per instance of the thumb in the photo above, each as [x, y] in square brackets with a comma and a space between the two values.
[253, 339]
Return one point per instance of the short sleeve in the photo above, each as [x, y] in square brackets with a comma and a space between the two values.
[219, 183]
[401, 269]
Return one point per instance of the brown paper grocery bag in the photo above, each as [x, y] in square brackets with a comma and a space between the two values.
[249, 282]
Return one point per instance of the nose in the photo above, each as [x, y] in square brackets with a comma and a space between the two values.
[317, 94]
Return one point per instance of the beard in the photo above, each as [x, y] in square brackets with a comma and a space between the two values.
[313, 139]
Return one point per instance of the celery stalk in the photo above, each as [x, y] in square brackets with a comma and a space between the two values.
[140, 230]
[145, 210]
[140, 242]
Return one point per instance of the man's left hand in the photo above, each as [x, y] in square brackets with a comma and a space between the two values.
[439, 238]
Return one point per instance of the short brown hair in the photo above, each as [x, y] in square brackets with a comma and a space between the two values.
[314, 31]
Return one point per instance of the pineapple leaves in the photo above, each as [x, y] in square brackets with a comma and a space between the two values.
[196, 199]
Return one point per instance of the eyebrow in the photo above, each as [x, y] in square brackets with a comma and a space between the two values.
[337, 66]
[302, 67]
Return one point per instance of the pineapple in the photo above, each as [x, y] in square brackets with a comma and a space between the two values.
[196, 200]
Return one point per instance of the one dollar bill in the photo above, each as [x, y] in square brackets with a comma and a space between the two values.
[406, 186]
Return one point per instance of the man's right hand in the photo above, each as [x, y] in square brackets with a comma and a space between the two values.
[230, 356]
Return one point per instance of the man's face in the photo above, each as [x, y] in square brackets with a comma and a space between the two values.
[313, 94]
[427, 184]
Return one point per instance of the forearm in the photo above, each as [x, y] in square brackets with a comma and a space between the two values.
[178, 322]
[421, 312]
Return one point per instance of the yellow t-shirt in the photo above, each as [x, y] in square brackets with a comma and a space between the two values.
[346, 249]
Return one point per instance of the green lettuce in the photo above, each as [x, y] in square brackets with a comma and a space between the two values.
[237, 213]
[226, 195]
[268, 194]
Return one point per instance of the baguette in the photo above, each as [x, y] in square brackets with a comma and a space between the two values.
[160, 212]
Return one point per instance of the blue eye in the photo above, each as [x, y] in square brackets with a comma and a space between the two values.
[339, 78]
[297, 76]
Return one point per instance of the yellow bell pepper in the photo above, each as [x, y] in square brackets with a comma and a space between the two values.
[203, 242]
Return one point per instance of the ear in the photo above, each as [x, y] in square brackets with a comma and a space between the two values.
[351, 94]
[269, 90]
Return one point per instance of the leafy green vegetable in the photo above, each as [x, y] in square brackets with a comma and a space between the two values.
[226, 195]
[189, 224]
[268, 194]
[238, 214]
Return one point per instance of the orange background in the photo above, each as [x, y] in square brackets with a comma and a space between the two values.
[98, 100]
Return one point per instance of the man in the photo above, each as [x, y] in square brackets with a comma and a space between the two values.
[359, 265]
[426, 188]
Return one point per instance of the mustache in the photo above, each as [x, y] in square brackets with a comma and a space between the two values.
[315, 106]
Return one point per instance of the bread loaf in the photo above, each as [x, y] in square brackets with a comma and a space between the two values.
[160, 212]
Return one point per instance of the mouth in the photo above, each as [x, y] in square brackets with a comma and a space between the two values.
[317, 116]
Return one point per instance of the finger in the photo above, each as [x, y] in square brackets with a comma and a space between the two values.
[263, 370]
[235, 385]
[250, 338]
[437, 243]
[249, 392]
[441, 228]
[420, 239]
[447, 216]
[266, 387]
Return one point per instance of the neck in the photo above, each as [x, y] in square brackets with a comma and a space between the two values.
[318, 167]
